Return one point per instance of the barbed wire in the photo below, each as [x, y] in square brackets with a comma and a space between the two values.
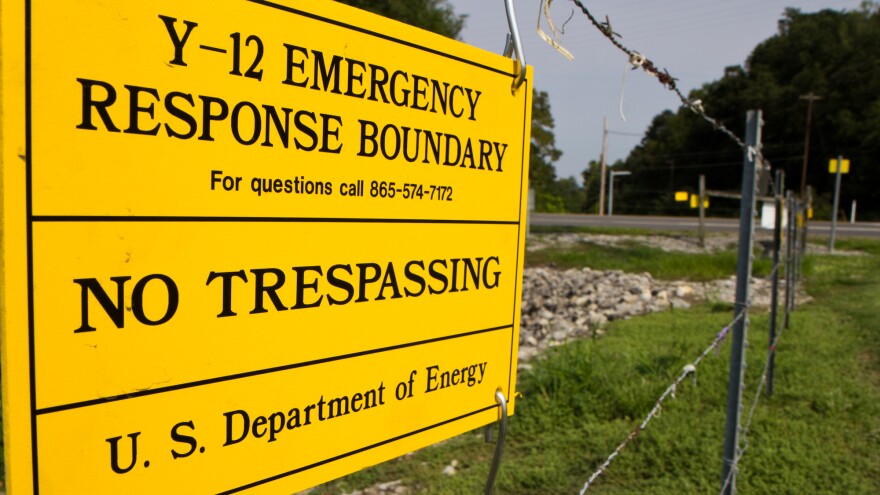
[744, 430]
[632, 134]
[670, 391]
[640, 61]
[774, 270]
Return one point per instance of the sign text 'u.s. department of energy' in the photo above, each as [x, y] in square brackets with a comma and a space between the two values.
[251, 246]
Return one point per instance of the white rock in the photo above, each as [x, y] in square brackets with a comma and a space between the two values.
[684, 290]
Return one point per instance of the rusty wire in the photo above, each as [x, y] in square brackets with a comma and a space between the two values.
[640, 61]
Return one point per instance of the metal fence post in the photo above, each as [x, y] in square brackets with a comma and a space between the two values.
[836, 203]
[807, 208]
[743, 275]
[802, 248]
[774, 292]
[795, 252]
[789, 202]
[702, 229]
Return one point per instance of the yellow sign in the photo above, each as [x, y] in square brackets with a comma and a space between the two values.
[681, 195]
[250, 246]
[832, 166]
[695, 201]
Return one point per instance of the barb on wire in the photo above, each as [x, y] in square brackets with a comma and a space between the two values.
[606, 28]
[688, 370]
[663, 76]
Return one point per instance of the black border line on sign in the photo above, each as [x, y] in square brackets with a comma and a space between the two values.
[266, 371]
[184, 219]
[31, 219]
[29, 152]
[309, 15]
[522, 178]
[353, 452]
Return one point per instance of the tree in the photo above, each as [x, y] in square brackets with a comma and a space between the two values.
[542, 154]
[432, 15]
[543, 150]
[592, 182]
[570, 193]
[830, 53]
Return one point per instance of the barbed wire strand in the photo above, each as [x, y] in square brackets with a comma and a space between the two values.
[637, 60]
[689, 369]
[640, 61]
[744, 430]
[686, 371]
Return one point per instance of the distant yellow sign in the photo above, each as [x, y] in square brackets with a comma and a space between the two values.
[681, 195]
[254, 245]
[832, 166]
[695, 201]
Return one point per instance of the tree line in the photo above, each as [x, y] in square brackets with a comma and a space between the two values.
[833, 55]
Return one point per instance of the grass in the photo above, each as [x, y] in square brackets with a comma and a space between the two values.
[636, 258]
[819, 432]
[567, 229]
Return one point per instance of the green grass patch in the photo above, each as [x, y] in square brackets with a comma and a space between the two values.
[573, 229]
[868, 246]
[635, 257]
[819, 432]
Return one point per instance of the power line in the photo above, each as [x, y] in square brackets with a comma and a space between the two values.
[618, 133]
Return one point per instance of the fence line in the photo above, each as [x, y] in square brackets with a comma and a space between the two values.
[686, 371]
[744, 431]
[670, 391]
[735, 446]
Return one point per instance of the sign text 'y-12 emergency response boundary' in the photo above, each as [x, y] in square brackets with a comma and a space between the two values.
[251, 246]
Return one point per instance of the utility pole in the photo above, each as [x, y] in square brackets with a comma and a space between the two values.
[602, 174]
[810, 97]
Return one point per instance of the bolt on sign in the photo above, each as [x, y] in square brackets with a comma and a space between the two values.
[250, 246]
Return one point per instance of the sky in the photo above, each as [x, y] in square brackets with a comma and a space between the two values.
[693, 39]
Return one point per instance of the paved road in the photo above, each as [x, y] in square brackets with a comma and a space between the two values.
[858, 229]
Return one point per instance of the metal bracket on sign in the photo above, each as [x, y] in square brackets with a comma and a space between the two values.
[514, 40]
[499, 445]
